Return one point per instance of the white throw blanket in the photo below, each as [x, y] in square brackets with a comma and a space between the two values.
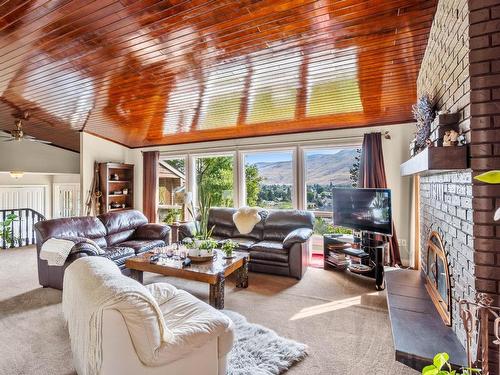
[106, 289]
[55, 251]
[246, 218]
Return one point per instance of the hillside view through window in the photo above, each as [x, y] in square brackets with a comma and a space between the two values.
[269, 178]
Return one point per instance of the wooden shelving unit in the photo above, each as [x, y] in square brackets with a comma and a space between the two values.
[109, 185]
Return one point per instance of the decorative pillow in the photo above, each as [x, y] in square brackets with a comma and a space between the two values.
[246, 218]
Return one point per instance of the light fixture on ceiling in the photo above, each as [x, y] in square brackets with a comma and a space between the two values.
[16, 174]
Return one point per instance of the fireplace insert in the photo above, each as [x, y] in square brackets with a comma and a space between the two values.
[438, 276]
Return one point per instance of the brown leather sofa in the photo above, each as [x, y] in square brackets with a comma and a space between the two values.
[278, 244]
[115, 235]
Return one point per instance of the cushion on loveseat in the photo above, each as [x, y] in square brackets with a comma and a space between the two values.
[221, 220]
[269, 250]
[120, 226]
[83, 227]
[279, 223]
[257, 232]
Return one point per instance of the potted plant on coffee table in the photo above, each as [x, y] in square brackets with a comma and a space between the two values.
[228, 248]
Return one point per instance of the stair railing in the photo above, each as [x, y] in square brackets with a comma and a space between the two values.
[21, 231]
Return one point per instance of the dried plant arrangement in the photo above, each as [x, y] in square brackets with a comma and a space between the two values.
[424, 113]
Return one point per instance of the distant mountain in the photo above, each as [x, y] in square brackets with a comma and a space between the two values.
[321, 169]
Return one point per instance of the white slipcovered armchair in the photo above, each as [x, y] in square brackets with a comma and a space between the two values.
[118, 326]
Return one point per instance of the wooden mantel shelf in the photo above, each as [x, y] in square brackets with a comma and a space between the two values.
[435, 160]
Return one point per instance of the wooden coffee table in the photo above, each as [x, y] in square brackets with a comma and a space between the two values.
[212, 272]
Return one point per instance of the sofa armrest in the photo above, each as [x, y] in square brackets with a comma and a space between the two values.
[187, 230]
[153, 232]
[298, 259]
[162, 292]
[83, 245]
[298, 235]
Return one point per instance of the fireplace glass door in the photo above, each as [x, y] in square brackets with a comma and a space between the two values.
[438, 277]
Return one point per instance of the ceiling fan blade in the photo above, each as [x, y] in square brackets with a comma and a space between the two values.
[28, 137]
[9, 140]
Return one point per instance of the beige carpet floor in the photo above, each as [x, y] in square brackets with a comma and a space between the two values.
[341, 318]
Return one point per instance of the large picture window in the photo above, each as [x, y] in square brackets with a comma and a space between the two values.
[325, 169]
[172, 180]
[269, 179]
[215, 179]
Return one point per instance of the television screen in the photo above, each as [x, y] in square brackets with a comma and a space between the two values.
[363, 209]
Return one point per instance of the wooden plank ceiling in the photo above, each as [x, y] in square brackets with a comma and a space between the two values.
[154, 72]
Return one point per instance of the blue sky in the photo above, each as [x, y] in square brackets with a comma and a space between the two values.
[273, 157]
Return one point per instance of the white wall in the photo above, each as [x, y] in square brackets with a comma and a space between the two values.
[42, 164]
[94, 149]
[46, 180]
[38, 158]
[395, 152]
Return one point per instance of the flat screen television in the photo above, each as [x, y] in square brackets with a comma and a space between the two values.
[363, 209]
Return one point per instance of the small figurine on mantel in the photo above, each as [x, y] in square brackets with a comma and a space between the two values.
[450, 138]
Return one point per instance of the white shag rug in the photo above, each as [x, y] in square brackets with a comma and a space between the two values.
[258, 350]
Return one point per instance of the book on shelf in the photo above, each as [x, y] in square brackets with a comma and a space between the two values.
[338, 259]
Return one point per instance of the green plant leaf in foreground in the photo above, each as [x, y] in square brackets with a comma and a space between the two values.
[490, 177]
[430, 370]
[440, 360]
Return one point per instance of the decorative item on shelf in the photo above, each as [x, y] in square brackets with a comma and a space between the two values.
[117, 192]
[125, 191]
[424, 113]
[123, 205]
[228, 248]
[450, 138]
[115, 205]
[115, 177]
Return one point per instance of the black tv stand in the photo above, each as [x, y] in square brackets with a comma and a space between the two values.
[367, 257]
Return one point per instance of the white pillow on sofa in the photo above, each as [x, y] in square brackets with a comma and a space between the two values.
[246, 218]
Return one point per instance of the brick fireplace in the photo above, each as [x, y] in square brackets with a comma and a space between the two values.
[446, 207]
[462, 74]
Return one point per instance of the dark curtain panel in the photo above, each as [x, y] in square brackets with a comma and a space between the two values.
[372, 175]
[150, 185]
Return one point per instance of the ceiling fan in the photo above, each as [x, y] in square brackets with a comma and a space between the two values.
[17, 134]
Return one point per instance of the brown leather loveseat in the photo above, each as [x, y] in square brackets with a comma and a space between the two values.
[278, 244]
[115, 235]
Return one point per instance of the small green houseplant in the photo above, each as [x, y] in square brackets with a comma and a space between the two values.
[209, 245]
[173, 215]
[441, 366]
[201, 225]
[228, 248]
[6, 231]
